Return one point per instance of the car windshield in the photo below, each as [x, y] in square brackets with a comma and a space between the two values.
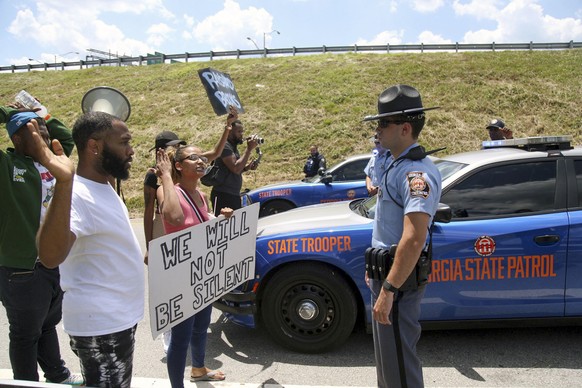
[448, 167]
[367, 207]
[364, 207]
[347, 171]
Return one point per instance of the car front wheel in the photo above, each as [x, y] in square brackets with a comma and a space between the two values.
[308, 308]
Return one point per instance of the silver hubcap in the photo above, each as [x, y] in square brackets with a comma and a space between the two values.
[307, 310]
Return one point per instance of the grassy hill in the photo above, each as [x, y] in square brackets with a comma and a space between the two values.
[294, 101]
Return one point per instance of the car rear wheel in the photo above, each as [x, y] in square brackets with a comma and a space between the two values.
[275, 207]
[308, 308]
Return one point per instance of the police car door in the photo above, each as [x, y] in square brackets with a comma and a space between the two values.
[574, 273]
[504, 253]
[348, 182]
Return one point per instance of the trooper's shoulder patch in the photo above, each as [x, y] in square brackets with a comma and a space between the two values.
[417, 184]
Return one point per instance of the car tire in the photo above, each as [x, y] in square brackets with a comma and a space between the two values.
[275, 207]
[308, 308]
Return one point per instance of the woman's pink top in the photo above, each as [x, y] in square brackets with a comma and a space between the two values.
[190, 217]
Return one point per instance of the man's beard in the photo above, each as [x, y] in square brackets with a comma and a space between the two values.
[236, 140]
[114, 165]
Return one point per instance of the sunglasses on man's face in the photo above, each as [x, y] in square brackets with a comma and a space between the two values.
[195, 158]
[383, 123]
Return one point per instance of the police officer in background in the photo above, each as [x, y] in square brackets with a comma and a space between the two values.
[375, 167]
[408, 198]
[498, 130]
[314, 162]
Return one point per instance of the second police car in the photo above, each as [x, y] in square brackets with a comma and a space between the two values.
[511, 253]
[344, 181]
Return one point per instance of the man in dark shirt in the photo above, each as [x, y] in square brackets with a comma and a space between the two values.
[232, 165]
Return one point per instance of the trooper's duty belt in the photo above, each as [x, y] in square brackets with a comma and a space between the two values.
[379, 261]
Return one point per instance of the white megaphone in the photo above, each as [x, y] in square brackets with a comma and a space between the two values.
[108, 100]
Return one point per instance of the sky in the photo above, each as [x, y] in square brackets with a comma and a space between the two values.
[51, 31]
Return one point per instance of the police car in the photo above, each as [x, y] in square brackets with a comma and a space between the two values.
[344, 181]
[507, 249]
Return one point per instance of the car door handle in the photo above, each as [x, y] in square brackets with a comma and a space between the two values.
[547, 239]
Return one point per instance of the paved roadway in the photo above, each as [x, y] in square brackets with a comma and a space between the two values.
[473, 358]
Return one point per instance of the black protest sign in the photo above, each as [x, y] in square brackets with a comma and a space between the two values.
[220, 90]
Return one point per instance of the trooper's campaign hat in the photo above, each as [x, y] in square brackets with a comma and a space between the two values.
[398, 100]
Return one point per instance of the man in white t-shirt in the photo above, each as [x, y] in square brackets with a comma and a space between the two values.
[88, 233]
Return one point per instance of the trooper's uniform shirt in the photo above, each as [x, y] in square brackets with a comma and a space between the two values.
[377, 165]
[407, 186]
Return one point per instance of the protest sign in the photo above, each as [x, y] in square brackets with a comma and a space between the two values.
[220, 90]
[191, 268]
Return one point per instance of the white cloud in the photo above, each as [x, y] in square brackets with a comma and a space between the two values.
[518, 21]
[110, 38]
[187, 35]
[385, 37]
[228, 28]
[138, 7]
[563, 30]
[61, 25]
[25, 25]
[158, 34]
[114, 6]
[189, 20]
[427, 5]
[430, 38]
[392, 5]
[480, 9]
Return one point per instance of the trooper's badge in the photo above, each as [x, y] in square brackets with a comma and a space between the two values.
[417, 184]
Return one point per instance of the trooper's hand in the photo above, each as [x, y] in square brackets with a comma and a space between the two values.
[382, 307]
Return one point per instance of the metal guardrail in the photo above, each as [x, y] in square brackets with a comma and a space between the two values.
[210, 55]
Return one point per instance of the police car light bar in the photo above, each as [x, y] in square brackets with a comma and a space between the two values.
[533, 143]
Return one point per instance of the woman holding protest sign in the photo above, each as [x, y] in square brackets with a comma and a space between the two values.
[165, 139]
[182, 205]
[152, 222]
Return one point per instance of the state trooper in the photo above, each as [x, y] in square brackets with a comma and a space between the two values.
[408, 197]
[375, 167]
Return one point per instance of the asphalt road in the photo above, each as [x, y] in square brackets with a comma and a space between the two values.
[537, 357]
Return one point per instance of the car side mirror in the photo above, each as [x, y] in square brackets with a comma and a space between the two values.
[321, 171]
[443, 213]
[327, 178]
